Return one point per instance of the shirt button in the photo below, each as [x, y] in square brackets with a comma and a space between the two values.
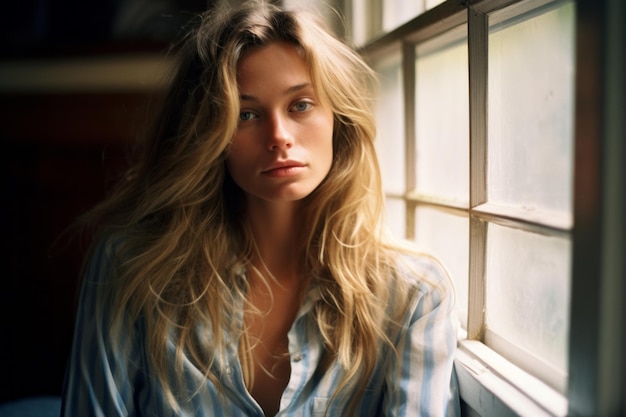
[297, 358]
[229, 370]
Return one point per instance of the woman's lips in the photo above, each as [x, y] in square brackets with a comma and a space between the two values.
[284, 170]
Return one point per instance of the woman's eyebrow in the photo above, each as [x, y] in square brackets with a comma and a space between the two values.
[288, 90]
[297, 87]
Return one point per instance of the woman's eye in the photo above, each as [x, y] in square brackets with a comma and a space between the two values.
[246, 115]
[301, 106]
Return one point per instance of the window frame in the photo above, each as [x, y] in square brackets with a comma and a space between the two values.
[490, 385]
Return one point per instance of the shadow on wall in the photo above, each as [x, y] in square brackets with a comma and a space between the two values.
[61, 26]
[60, 152]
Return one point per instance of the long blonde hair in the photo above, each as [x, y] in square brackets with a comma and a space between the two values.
[181, 216]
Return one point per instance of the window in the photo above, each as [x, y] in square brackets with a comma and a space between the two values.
[492, 201]
[483, 199]
[529, 182]
[501, 144]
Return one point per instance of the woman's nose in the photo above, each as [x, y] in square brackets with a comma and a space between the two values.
[279, 135]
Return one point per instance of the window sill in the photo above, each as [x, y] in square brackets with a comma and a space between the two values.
[492, 386]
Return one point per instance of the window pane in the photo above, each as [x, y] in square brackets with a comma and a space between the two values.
[390, 121]
[432, 3]
[527, 292]
[442, 119]
[531, 99]
[396, 217]
[446, 236]
[397, 12]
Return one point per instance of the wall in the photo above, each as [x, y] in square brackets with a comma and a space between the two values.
[60, 153]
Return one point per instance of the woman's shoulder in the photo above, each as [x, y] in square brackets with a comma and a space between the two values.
[421, 270]
[424, 285]
[103, 256]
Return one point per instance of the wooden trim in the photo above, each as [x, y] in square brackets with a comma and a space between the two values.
[477, 44]
[547, 223]
[478, 73]
[137, 73]
[476, 292]
[408, 84]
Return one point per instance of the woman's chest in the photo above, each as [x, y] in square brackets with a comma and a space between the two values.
[267, 324]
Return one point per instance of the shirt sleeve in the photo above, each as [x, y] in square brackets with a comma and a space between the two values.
[99, 380]
[423, 383]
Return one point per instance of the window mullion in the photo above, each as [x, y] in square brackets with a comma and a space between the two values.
[408, 84]
[477, 52]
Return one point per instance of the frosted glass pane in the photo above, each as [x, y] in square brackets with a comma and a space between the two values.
[527, 292]
[397, 12]
[396, 217]
[442, 121]
[446, 236]
[389, 112]
[531, 99]
[432, 3]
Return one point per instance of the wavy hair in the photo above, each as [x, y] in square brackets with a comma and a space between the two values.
[181, 217]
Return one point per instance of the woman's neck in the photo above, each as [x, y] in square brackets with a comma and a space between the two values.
[277, 233]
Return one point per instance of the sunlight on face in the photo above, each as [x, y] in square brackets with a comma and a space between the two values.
[282, 149]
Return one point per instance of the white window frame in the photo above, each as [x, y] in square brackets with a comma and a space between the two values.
[489, 384]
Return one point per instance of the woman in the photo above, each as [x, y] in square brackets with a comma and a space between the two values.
[242, 269]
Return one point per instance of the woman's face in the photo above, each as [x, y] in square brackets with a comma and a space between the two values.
[282, 149]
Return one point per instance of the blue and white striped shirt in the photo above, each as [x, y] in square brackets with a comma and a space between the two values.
[419, 381]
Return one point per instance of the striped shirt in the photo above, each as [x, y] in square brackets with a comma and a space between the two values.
[417, 381]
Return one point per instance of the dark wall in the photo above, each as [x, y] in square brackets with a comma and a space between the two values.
[53, 27]
[60, 154]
